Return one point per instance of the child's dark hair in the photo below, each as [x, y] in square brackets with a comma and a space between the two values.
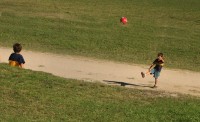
[17, 47]
[160, 54]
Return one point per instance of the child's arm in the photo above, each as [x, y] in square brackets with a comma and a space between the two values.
[149, 70]
[162, 59]
[152, 65]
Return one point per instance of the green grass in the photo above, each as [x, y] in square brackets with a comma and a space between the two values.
[91, 28]
[36, 96]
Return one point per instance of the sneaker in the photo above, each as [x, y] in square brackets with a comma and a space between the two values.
[143, 75]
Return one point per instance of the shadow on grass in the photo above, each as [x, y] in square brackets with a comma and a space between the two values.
[126, 84]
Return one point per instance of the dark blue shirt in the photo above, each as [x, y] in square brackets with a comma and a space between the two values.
[17, 57]
[159, 64]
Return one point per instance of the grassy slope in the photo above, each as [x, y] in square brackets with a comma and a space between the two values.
[37, 96]
[92, 28]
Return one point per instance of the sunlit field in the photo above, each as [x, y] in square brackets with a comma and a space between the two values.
[92, 28]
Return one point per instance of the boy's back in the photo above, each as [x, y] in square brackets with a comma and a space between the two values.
[16, 59]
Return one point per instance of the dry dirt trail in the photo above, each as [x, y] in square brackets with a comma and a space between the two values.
[108, 72]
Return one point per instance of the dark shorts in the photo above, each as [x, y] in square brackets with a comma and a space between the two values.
[155, 73]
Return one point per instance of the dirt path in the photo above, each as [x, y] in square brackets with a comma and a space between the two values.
[108, 72]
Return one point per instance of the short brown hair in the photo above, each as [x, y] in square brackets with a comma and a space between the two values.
[160, 54]
[17, 47]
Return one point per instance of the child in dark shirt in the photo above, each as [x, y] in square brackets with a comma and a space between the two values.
[155, 68]
[16, 59]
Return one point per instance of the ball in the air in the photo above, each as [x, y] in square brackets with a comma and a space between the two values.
[123, 20]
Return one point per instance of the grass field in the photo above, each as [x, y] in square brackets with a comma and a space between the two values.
[91, 28]
[37, 96]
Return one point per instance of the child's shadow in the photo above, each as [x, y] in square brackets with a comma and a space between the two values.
[126, 84]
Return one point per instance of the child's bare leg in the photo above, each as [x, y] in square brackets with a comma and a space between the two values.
[144, 74]
[156, 80]
[148, 72]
